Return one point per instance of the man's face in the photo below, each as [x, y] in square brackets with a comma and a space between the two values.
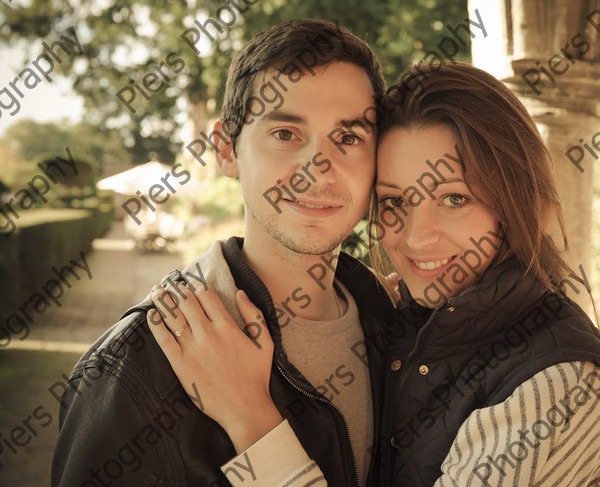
[307, 168]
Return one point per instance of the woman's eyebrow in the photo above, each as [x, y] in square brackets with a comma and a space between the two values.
[387, 185]
[437, 184]
[451, 180]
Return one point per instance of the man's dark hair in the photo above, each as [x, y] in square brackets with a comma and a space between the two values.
[289, 46]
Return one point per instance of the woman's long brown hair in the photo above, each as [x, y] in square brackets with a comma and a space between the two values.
[505, 159]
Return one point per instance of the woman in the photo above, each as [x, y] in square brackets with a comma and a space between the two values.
[482, 381]
[493, 373]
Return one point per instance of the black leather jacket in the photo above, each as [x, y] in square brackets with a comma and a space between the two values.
[126, 420]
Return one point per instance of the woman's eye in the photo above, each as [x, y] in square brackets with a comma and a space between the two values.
[393, 202]
[455, 200]
[349, 139]
[284, 134]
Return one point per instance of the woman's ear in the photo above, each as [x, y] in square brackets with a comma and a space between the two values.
[224, 154]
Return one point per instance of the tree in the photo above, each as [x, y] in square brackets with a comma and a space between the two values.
[27, 143]
[124, 41]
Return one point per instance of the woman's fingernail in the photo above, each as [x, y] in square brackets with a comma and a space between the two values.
[153, 317]
[155, 287]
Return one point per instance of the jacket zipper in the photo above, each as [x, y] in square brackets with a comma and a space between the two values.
[324, 400]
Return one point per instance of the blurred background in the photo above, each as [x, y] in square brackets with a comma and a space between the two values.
[101, 217]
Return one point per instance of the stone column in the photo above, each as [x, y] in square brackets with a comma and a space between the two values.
[548, 53]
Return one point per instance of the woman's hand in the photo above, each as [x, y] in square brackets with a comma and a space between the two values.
[392, 281]
[225, 371]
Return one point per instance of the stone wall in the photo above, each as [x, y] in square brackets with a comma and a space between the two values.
[548, 53]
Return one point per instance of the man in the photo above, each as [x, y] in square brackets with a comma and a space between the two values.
[306, 163]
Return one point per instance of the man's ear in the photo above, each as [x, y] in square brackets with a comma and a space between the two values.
[225, 155]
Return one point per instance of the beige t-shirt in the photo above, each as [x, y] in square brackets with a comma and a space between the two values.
[323, 352]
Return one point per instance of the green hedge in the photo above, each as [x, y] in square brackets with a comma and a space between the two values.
[104, 214]
[43, 239]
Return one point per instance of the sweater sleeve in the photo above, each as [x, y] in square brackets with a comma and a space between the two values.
[545, 434]
[276, 459]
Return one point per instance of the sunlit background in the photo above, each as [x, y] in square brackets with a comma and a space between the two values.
[124, 138]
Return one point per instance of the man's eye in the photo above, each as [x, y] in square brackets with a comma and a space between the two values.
[349, 139]
[283, 134]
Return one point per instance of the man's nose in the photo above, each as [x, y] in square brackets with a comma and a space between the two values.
[324, 161]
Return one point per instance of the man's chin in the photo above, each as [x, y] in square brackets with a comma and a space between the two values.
[308, 239]
[310, 246]
[310, 242]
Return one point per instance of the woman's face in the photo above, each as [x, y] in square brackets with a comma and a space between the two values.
[438, 235]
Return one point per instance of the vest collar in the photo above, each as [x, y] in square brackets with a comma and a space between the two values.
[479, 312]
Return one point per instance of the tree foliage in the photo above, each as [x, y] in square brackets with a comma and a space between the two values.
[26, 143]
[125, 41]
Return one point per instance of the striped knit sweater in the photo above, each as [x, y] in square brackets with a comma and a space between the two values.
[547, 433]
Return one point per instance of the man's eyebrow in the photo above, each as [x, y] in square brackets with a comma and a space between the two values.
[360, 121]
[281, 116]
[438, 183]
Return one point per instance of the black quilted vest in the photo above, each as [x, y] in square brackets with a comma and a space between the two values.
[472, 352]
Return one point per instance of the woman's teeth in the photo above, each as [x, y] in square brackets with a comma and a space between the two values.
[434, 264]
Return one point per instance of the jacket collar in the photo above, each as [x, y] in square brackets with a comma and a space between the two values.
[370, 296]
[224, 269]
[366, 290]
[479, 312]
